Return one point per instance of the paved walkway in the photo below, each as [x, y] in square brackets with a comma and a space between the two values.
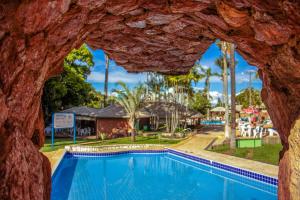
[197, 144]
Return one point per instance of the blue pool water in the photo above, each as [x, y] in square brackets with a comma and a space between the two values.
[212, 122]
[161, 176]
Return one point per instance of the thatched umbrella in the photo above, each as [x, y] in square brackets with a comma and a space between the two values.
[218, 109]
[196, 118]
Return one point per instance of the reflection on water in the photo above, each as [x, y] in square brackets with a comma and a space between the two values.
[150, 177]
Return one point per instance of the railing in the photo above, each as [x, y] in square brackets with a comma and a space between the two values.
[108, 148]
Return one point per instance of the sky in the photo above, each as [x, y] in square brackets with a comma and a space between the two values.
[118, 73]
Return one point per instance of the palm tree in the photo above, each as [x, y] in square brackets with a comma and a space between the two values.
[106, 79]
[207, 73]
[183, 91]
[232, 79]
[220, 63]
[154, 85]
[224, 49]
[131, 101]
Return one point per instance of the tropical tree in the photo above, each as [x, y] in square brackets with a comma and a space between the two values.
[232, 81]
[207, 73]
[243, 97]
[220, 63]
[106, 79]
[182, 95]
[95, 99]
[131, 101]
[70, 87]
[154, 86]
[173, 101]
[224, 46]
[200, 102]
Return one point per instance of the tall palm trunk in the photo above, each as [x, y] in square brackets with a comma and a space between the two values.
[207, 96]
[224, 50]
[106, 79]
[223, 74]
[132, 123]
[232, 78]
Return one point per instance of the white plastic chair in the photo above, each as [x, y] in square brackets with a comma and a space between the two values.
[272, 132]
[250, 129]
[258, 130]
[244, 128]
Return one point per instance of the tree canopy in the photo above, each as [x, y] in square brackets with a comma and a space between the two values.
[131, 101]
[70, 87]
[200, 102]
[243, 97]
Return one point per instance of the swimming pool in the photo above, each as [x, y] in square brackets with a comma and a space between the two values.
[212, 122]
[152, 176]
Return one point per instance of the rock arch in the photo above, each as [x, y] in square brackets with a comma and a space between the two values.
[159, 35]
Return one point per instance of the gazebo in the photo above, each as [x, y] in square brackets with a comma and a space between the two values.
[196, 118]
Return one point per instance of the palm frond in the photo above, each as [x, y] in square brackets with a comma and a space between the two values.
[131, 100]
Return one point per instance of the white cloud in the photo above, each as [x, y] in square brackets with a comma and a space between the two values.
[215, 95]
[244, 78]
[114, 94]
[212, 79]
[198, 88]
[215, 79]
[205, 66]
[116, 76]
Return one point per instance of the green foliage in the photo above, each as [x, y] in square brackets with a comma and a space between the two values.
[179, 129]
[220, 63]
[155, 82]
[200, 103]
[243, 97]
[103, 136]
[185, 81]
[207, 74]
[131, 101]
[95, 99]
[70, 87]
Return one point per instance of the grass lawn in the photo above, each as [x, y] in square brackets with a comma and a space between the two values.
[60, 143]
[268, 153]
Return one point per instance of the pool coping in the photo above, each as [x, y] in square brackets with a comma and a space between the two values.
[229, 168]
[58, 162]
[225, 167]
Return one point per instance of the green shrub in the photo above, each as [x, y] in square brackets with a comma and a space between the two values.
[103, 136]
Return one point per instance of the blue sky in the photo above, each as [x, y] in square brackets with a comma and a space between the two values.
[118, 73]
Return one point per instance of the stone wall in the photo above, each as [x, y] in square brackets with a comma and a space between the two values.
[157, 35]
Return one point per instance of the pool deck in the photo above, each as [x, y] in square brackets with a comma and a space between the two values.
[54, 156]
[197, 144]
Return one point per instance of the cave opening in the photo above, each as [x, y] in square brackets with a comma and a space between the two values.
[35, 38]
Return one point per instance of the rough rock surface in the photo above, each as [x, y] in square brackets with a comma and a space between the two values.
[141, 35]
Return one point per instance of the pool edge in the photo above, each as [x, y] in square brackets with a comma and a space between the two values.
[58, 162]
[229, 168]
[219, 165]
